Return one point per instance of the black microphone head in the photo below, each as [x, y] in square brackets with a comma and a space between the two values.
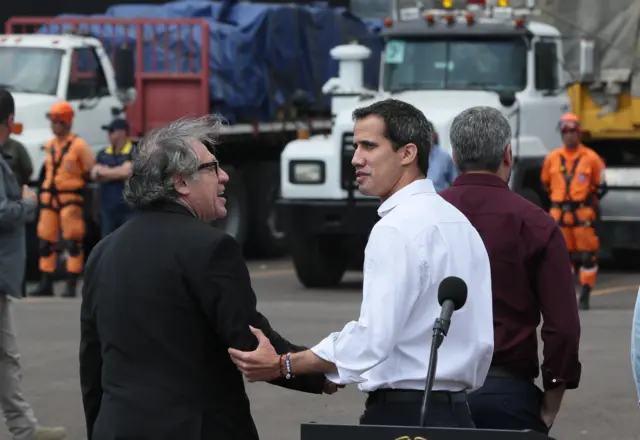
[453, 289]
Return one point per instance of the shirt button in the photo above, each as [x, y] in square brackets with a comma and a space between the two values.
[554, 381]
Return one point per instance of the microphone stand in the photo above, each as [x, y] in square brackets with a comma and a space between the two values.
[440, 329]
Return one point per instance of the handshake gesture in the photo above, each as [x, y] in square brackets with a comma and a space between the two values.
[264, 364]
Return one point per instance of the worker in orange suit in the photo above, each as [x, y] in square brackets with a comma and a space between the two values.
[573, 175]
[68, 163]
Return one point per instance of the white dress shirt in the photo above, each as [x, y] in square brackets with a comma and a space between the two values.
[635, 345]
[420, 240]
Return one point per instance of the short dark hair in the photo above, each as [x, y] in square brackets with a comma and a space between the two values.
[404, 124]
[7, 105]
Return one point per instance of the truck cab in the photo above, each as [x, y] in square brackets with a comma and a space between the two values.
[40, 70]
[442, 61]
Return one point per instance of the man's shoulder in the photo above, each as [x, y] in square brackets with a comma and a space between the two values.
[14, 143]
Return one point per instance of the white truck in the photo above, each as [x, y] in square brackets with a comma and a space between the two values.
[444, 58]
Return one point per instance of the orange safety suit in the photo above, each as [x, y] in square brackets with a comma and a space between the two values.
[574, 180]
[67, 166]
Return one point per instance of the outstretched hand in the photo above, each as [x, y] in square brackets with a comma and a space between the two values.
[262, 364]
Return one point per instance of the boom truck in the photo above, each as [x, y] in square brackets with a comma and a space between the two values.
[445, 56]
[249, 66]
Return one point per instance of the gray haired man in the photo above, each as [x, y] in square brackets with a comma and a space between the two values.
[182, 296]
[530, 277]
[17, 205]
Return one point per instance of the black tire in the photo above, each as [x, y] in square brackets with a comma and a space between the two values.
[264, 238]
[235, 223]
[319, 261]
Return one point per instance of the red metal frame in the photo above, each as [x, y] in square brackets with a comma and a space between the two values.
[162, 95]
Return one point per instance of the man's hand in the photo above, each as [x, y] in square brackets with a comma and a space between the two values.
[551, 401]
[262, 364]
[28, 194]
[330, 387]
[95, 172]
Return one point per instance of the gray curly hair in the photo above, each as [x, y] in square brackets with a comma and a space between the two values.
[164, 152]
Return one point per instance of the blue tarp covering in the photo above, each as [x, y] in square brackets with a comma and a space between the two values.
[260, 54]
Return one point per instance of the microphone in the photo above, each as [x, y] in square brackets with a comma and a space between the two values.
[452, 295]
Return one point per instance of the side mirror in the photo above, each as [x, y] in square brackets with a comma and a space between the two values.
[587, 49]
[507, 98]
[125, 68]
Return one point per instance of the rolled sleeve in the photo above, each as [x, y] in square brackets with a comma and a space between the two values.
[560, 331]
[392, 284]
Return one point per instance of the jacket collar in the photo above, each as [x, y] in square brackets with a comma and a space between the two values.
[126, 149]
[170, 206]
[416, 187]
[480, 179]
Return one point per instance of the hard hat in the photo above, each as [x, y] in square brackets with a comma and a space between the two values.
[569, 121]
[61, 112]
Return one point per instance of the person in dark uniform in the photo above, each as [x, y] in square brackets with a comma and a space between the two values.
[13, 151]
[113, 167]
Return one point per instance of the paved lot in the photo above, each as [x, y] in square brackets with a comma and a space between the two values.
[604, 407]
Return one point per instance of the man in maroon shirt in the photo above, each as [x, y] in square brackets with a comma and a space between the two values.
[530, 275]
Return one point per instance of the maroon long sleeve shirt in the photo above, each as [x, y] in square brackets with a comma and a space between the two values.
[531, 276]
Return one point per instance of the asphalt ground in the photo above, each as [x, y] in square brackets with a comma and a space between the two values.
[605, 405]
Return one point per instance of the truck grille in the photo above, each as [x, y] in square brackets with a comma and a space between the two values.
[348, 174]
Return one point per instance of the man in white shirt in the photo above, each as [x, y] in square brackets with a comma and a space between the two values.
[419, 240]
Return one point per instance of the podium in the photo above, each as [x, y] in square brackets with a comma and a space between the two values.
[316, 431]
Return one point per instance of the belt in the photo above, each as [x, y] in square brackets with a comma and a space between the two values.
[415, 396]
[503, 373]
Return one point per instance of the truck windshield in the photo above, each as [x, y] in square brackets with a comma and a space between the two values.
[493, 64]
[30, 70]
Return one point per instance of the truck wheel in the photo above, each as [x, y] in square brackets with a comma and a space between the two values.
[264, 238]
[319, 261]
[235, 223]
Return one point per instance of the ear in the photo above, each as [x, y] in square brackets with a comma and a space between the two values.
[409, 154]
[453, 156]
[180, 184]
[508, 156]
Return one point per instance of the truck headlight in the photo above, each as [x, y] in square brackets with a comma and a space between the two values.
[307, 172]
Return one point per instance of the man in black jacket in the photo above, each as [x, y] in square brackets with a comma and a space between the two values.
[164, 297]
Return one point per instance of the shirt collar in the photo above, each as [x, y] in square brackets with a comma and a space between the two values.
[416, 187]
[480, 179]
[126, 149]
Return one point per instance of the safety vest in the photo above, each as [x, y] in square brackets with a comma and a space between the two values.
[578, 181]
[75, 179]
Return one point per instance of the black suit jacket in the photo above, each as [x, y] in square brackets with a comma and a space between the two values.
[164, 297]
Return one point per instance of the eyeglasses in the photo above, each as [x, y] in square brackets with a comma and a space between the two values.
[214, 165]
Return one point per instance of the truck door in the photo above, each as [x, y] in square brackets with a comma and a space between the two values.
[89, 93]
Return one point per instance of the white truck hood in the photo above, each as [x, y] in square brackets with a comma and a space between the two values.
[31, 109]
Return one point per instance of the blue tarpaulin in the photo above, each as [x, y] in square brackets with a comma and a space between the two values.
[259, 55]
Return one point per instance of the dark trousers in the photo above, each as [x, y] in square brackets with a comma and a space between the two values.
[402, 408]
[507, 403]
[112, 219]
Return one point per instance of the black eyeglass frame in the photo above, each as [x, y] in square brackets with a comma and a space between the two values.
[213, 164]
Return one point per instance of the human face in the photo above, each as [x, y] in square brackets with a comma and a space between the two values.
[59, 128]
[117, 137]
[379, 168]
[204, 191]
[570, 137]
